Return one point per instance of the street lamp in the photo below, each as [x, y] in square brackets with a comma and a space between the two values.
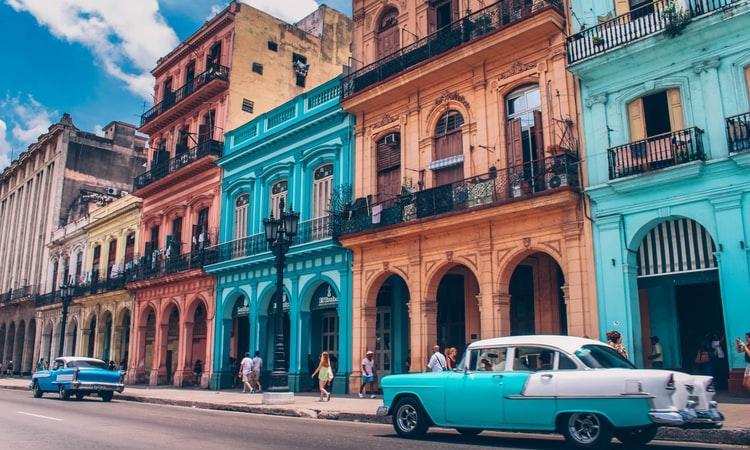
[280, 233]
[66, 294]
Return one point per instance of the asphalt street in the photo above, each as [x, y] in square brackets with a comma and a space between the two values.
[28, 423]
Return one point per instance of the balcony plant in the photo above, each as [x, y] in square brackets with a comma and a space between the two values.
[597, 40]
[676, 20]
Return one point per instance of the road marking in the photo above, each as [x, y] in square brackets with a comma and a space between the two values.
[37, 415]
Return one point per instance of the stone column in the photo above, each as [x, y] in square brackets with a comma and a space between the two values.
[158, 373]
[597, 138]
[714, 139]
[115, 347]
[423, 320]
[360, 321]
[575, 281]
[137, 363]
[501, 309]
[184, 353]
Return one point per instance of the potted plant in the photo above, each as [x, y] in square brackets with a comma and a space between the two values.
[597, 40]
[676, 20]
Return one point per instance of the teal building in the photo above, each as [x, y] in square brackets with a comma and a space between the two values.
[299, 153]
[664, 97]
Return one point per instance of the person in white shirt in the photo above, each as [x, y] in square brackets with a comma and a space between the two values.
[368, 374]
[256, 365]
[437, 360]
[246, 367]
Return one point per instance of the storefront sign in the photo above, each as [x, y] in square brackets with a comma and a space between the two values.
[243, 309]
[324, 298]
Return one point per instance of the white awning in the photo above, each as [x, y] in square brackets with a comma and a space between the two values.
[446, 162]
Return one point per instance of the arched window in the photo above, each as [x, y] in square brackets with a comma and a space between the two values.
[448, 160]
[441, 13]
[278, 194]
[524, 141]
[388, 33]
[96, 261]
[389, 166]
[66, 269]
[79, 267]
[322, 185]
[240, 216]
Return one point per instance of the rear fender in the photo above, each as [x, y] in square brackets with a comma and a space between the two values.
[621, 413]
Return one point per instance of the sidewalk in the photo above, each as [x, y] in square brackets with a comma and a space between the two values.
[736, 430]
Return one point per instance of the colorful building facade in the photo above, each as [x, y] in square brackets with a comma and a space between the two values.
[299, 153]
[466, 220]
[239, 64]
[668, 169]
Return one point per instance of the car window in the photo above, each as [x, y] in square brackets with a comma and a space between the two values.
[602, 357]
[533, 359]
[565, 363]
[58, 365]
[84, 363]
[488, 359]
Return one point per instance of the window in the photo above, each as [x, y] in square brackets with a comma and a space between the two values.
[175, 240]
[258, 68]
[488, 359]
[300, 66]
[182, 141]
[274, 47]
[247, 105]
[200, 231]
[111, 256]
[565, 363]
[389, 166]
[206, 129]
[55, 269]
[214, 56]
[602, 357]
[441, 13]
[655, 114]
[66, 270]
[524, 139]
[79, 267]
[448, 163]
[388, 38]
[154, 243]
[88, 364]
[167, 94]
[190, 74]
[240, 216]
[278, 196]
[59, 364]
[533, 359]
[329, 333]
[322, 183]
[130, 247]
[96, 260]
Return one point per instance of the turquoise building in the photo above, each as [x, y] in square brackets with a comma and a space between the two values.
[664, 97]
[301, 153]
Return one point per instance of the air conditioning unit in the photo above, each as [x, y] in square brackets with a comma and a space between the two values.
[124, 193]
[112, 191]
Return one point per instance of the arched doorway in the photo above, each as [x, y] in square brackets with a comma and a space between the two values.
[72, 337]
[30, 364]
[91, 337]
[239, 339]
[122, 339]
[11, 340]
[457, 309]
[3, 330]
[172, 341]
[389, 33]
[537, 303]
[679, 298]
[392, 327]
[48, 351]
[106, 336]
[270, 338]
[19, 350]
[322, 326]
[197, 339]
[149, 342]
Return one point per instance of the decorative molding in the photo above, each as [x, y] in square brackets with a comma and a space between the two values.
[554, 245]
[706, 65]
[596, 100]
[517, 68]
[358, 16]
[387, 119]
[447, 97]
[449, 255]
[526, 242]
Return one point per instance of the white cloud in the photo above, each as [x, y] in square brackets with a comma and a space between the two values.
[125, 37]
[288, 10]
[24, 119]
[5, 147]
[98, 130]
[215, 9]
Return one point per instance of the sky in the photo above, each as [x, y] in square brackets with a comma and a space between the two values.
[91, 58]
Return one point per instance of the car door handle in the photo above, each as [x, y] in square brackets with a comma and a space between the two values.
[497, 377]
[547, 376]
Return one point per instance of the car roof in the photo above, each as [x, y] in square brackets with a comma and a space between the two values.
[568, 344]
[68, 359]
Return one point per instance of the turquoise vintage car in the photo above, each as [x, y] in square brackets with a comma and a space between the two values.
[578, 387]
[78, 377]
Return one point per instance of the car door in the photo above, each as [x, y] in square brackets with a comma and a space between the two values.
[529, 389]
[48, 383]
[474, 396]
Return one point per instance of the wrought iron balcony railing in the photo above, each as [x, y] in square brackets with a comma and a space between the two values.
[214, 72]
[84, 290]
[22, 292]
[309, 231]
[47, 299]
[5, 297]
[656, 152]
[738, 133]
[469, 28]
[638, 23]
[155, 266]
[208, 147]
[494, 188]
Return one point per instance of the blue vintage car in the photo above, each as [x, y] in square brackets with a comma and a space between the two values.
[79, 377]
[578, 387]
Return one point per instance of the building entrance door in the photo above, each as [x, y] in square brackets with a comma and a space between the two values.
[383, 355]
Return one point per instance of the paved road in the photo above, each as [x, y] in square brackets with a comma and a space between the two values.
[28, 423]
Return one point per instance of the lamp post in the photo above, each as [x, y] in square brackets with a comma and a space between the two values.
[280, 234]
[66, 294]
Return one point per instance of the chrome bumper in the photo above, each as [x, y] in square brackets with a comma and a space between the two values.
[689, 418]
[88, 386]
[382, 411]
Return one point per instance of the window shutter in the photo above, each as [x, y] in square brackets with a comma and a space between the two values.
[636, 120]
[455, 15]
[676, 118]
[539, 134]
[389, 155]
[431, 19]
[747, 80]
[622, 7]
[514, 145]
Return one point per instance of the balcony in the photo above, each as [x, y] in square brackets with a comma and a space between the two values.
[491, 189]
[202, 88]
[656, 152]
[5, 297]
[638, 23]
[309, 231]
[470, 28]
[738, 133]
[84, 290]
[160, 265]
[208, 147]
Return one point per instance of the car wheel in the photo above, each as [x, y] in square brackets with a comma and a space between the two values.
[80, 395]
[36, 390]
[106, 396]
[469, 432]
[63, 393]
[587, 430]
[636, 437]
[410, 419]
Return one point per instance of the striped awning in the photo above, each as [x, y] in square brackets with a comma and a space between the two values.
[446, 162]
[676, 246]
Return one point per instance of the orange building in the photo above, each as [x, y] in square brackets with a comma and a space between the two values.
[467, 219]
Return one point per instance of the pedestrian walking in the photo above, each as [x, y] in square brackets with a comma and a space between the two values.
[40, 365]
[368, 374]
[325, 376]
[721, 367]
[246, 366]
[257, 365]
[437, 360]
[9, 369]
[198, 371]
[657, 354]
[744, 348]
[614, 339]
[450, 358]
[111, 366]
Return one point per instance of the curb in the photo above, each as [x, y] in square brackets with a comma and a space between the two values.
[705, 436]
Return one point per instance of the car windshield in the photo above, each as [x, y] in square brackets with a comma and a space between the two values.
[602, 357]
[88, 364]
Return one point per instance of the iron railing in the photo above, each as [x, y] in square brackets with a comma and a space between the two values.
[5, 297]
[155, 266]
[84, 290]
[309, 231]
[738, 133]
[493, 188]
[640, 22]
[214, 72]
[469, 28]
[208, 147]
[656, 152]
[22, 292]
[48, 298]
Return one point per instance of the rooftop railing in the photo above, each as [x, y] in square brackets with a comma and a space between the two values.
[493, 188]
[469, 28]
[638, 23]
[205, 148]
[656, 152]
[214, 72]
[738, 133]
